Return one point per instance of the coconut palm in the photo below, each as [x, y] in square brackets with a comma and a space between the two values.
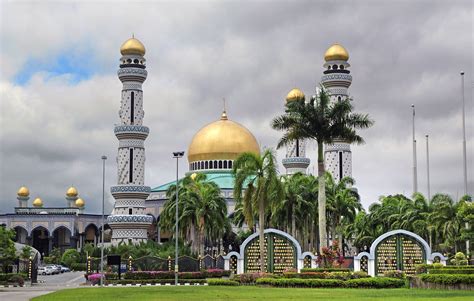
[256, 186]
[325, 121]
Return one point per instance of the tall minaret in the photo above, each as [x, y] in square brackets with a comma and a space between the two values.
[128, 220]
[336, 80]
[295, 160]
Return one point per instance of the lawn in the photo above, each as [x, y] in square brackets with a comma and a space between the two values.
[202, 293]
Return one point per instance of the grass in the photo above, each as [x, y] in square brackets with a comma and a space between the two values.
[202, 293]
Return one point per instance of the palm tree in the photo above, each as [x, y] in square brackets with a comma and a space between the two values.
[323, 121]
[343, 204]
[446, 220]
[257, 177]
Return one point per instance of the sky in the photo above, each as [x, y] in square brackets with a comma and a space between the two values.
[60, 94]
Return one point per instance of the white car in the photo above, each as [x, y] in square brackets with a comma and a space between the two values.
[46, 270]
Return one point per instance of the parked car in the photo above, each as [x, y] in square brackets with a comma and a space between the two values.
[64, 269]
[45, 270]
[56, 268]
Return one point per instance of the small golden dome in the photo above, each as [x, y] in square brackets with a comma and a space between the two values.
[23, 191]
[71, 192]
[336, 53]
[132, 46]
[222, 139]
[295, 94]
[80, 203]
[38, 202]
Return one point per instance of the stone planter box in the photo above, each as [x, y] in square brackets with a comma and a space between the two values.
[416, 282]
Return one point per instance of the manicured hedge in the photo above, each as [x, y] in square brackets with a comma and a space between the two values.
[6, 277]
[376, 282]
[216, 273]
[448, 279]
[13, 278]
[325, 270]
[223, 282]
[251, 278]
[451, 271]
[163, 275]
[326, 275]
[285, 282]
[156, 281]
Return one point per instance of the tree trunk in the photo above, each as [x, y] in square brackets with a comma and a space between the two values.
[333, 231]
[293, 224]
[261, 238]
[311, 238]
[321, 199]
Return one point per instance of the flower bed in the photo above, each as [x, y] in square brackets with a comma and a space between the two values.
[251, 278]
[326, 275]
[325, 270]
[156, 281]
[216, 273]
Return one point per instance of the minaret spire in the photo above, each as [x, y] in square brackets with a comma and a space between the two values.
[128, 220]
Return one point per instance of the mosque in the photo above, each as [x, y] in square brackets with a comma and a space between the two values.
[211, 151]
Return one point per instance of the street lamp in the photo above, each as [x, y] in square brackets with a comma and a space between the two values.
[176, 155]
[428, 167]
[102, 232]
[464, 134]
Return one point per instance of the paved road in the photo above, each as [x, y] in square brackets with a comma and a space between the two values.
[46, 284]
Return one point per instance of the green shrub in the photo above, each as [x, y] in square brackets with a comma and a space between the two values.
[306, 275]
[438, 265]
[422, 268]
[141, 275]
[339, 275]
[17, 279]
[216, 273]
[325, 270]
[448, 279]
[70, 256]
[4, 277]
[156, 281]
[360, 274]
[223, 282]
[294, 282]
[376, 282]
[395, 274]
[251, 278]
[78, 266]
[451, 271]
[459, 259]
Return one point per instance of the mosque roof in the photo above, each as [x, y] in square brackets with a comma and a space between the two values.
[224, 180]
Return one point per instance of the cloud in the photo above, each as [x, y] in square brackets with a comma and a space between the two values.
[60, 95]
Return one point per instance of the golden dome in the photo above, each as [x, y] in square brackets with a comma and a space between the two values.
[38, 202]
[336, 53]
[71, 192]
[222, 139]
[132, 46]
[295, 94]
[23, 191]
[80, 203]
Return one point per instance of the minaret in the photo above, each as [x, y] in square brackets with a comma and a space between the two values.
[336, 80]
[23, 195]
[128, 220]
[295, 160]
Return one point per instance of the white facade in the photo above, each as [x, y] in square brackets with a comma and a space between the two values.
[338, 156]
[129, 221]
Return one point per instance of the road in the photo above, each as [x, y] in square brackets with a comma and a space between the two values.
[46, 284]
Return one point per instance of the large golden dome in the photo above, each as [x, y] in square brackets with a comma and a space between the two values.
[336, 53]
[23, 191]
[222, 139]
[38, 202]
[71, 192]
[132, 46]
[294, 94]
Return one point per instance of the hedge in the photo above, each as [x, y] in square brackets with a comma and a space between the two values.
[223, 282]
[251, 278]
[78, 266]
[295, 282]
[13, 278]
[451, 271]
[156, 281]
[216, 273]
[162, 275]
[325, 270]
[6, 277]
[376, 282]
[326, 275]
[448, 279]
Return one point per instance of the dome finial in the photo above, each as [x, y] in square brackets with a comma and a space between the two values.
[224, 112]
[336, 52]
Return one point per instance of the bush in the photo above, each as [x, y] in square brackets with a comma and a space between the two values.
[216, 273]
[5, 277]
[251, 278]
[70, 256]
[376, 282]
[306, 275]
[142, 275]
[438, 265]
[224, 282]
[78, 266]
[459, 259]
[156, 281]
[422, 268]
[448, 279]
[451, 271]
[285, 282]
[395, 274]
[339, 275]
[325, 270]
[17, 279]
[360, 274]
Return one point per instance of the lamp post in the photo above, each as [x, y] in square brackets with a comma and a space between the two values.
[464, 133]
[102, 227]
[176, 155]
[428, 167]
[415, 177]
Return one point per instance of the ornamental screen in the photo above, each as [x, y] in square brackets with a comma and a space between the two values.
[398, 252]
[280, 254]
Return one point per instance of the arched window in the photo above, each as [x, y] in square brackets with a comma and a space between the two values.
[215, 164]
[220, 164]
[135, 61]
[206, 165]
[202, 165]
[230, 164]
[225, 164]
[334, 67]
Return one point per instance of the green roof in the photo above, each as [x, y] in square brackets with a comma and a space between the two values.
[224, 180]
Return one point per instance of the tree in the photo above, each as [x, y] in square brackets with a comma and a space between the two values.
[25, 252]
[7, 247]
[256, 186]
[325, 121]
[70, 256]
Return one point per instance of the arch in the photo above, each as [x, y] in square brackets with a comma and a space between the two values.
[41, 240]
[61, 238]
[382, 237]
[276, 231]
[21, 234]
[441, 257]
[215, 164]
[225, 164]
[206, 165]
[63, 225]
[220, 164]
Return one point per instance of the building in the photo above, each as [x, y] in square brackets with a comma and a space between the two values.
[45, 228]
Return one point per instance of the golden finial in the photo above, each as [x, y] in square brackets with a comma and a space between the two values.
[224, 112]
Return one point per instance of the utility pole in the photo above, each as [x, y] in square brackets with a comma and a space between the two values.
[415, 177]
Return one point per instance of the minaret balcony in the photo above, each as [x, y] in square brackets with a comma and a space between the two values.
[129, 219]
[130, 191]
[132, 74]
[131, 132]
